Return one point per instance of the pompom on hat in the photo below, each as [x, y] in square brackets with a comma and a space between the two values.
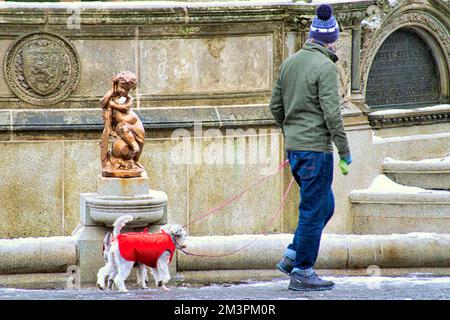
[324, 27]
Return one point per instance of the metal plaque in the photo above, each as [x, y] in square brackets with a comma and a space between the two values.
[403, 72]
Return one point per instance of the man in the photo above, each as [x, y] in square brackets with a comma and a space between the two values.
[305, 105]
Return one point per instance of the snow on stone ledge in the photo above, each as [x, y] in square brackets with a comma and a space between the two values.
[383, 184]
[434, 164]
[432, 160]
[394, 112]
[385, 191]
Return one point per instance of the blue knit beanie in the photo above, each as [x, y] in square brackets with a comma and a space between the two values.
[324, 27]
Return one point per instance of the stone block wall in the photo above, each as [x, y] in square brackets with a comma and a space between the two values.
[208, 65]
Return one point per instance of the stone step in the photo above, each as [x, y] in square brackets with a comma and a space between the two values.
[387, 207]
[427, 174]
[337, 251]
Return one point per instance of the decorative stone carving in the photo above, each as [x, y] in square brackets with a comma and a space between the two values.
[411, 18]
[374, 17]
[215, 46]
[402, 118]
[349, 18]
[386, 5]
[373, 20]
[42, 68]
[300, 22]
[343, 51]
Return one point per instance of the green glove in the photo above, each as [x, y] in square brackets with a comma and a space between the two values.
[344, 167]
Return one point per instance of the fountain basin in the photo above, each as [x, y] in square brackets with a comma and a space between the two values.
[117, 197]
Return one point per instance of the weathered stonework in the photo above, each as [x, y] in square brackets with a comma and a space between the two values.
[343, 51]
[42, 68]
[214, 65]
[431, 25]
[208, 66]
[403, 118]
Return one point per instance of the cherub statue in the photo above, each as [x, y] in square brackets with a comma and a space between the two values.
[125, 127]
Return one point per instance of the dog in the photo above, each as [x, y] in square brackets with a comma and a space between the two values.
[141, 249]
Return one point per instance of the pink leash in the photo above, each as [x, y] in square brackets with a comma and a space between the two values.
[238, 196]
[270, 222]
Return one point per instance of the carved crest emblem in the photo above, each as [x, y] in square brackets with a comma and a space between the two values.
[42, 68]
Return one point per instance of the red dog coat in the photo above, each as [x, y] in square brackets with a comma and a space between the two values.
[145, 248]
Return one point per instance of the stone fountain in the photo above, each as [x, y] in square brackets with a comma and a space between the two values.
[123, 187]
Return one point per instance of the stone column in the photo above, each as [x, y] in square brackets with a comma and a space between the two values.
[356, 57]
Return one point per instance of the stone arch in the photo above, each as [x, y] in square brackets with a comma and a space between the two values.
[424, 24]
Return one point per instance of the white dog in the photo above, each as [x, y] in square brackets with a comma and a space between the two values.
[123, 251]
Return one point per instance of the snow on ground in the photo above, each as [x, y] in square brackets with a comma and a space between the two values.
[414, 286]
[391, 280]
[361, 281]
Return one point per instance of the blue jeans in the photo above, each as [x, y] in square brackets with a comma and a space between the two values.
[313, 172]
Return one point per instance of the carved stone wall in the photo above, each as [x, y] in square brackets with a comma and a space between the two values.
[187, 56]
[429, 19]
[42, 68]
[215, 65]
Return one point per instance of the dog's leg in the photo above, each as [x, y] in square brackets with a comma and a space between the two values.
[155, 275]
[110, 284]
[124, 269]
[163, 270]
[138, 273]
[142, 272]
[108, 269]
[112, 270]
[102, 273]
[111, 277]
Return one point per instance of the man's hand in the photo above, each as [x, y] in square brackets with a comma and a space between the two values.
[344, 163]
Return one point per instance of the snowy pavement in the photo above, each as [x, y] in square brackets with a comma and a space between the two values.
[347, 288]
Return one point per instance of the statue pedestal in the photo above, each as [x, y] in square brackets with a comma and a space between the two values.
[115, 197]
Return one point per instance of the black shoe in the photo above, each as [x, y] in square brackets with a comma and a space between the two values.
[286, 265]
[310, 283]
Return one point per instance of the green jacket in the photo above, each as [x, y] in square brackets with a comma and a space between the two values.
[305, 101]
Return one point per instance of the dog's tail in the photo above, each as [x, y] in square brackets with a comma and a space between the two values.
[106, 246]
[120, 223]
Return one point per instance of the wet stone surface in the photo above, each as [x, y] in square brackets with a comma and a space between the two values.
[347, 288]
